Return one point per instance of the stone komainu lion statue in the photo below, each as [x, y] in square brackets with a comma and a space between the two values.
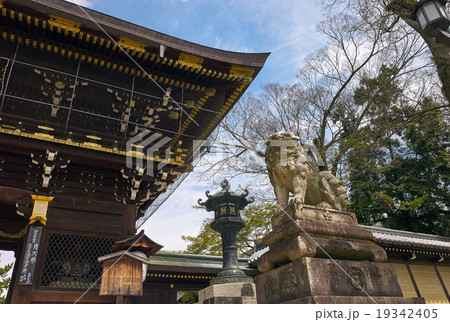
[299, 174]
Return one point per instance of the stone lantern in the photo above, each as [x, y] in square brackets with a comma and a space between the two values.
[227, 205]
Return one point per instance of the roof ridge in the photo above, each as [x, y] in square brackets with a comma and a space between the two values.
[404, 233]
[93, 19]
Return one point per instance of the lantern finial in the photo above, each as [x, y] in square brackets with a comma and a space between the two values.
[225, 184]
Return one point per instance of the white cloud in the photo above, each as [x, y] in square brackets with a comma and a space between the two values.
[83, 3]
[291, 26]
[176, 217]
[6, 258]
[284, 28]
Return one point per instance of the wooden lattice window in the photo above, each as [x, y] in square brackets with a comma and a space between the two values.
[71, 261]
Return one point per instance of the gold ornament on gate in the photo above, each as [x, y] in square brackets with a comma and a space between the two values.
[40, 209]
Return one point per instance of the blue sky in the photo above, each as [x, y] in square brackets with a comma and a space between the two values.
[286, 28]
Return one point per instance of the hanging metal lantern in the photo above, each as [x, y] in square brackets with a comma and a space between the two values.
[431, 15]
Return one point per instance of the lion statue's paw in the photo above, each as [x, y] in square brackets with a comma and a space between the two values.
[297, 203]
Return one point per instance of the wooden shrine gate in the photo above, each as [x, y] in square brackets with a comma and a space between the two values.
[95, 125]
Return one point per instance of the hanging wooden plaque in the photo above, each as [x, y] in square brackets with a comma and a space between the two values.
[30, 256]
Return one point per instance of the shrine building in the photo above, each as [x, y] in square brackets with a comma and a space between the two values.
[98, 122]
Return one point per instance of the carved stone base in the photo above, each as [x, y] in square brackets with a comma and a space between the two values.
[295, 212]
[318, 280]
[312, 246]
[234, 293]
[316, 232]
[357, 300]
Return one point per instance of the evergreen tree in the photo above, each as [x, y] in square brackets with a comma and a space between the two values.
[208, 241]
[399, 170]
[4, 281]
[188, 298]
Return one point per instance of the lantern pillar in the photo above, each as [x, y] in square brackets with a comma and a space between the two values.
[231, 285]
[228, 227]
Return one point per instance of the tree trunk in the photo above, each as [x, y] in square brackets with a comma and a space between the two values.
[440, 52]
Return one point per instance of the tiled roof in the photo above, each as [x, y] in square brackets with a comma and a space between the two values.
[257, 254]
[181, 260]
[392, 237]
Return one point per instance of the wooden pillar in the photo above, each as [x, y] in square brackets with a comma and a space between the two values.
[26, 275]
[129, 221]
[20, 294]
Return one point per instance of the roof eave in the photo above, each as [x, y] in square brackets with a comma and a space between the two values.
[114, 26]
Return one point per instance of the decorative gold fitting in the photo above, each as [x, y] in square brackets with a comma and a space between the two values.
[190, 61]
[131, 44]
[40, 209]
[65, 24]
[241, 71]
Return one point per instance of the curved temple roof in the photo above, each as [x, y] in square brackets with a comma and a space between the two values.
[95, 59]
[88, 84]
[118, 27]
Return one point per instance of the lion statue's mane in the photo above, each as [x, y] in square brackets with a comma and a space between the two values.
[299, 174]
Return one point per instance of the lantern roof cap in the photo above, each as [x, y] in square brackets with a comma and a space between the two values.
[226, 194]
[419, 3]
[226, 190]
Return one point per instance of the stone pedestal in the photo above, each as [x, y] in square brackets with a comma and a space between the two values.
[325, 281]
[319, 255]
[234, 293]
[316, 232]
